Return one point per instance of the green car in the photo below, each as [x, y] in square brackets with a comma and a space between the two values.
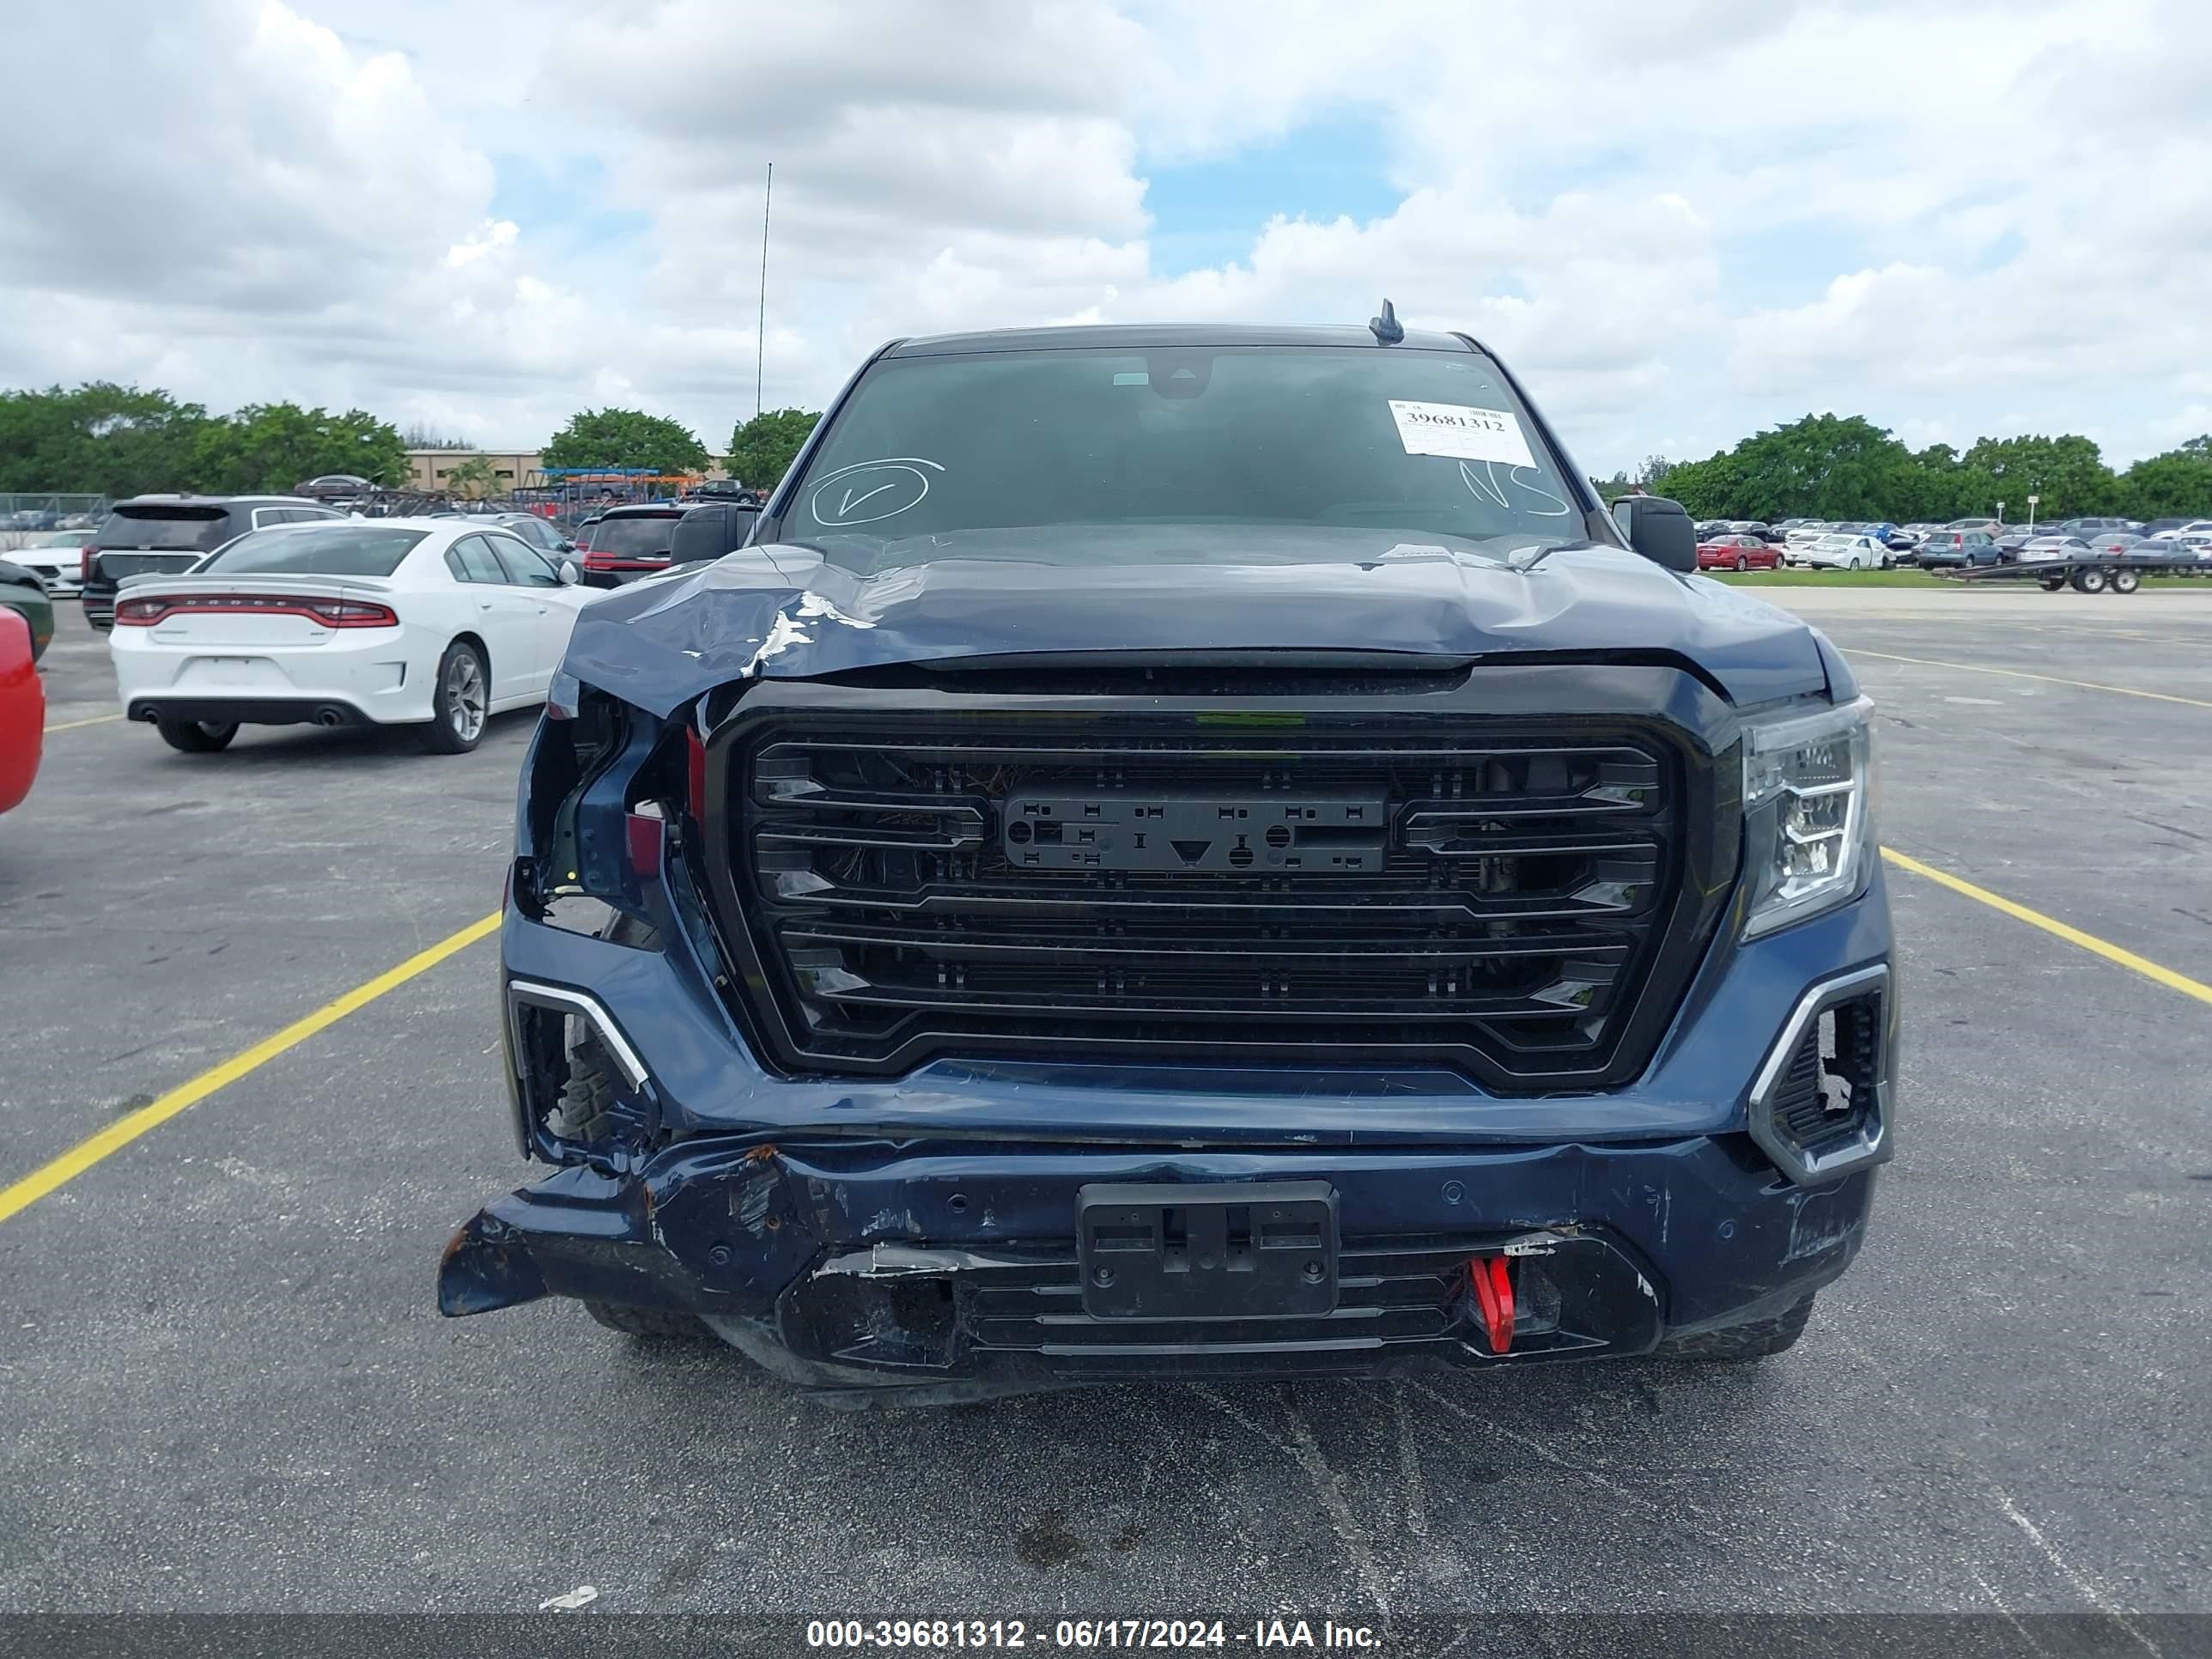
[21, 590]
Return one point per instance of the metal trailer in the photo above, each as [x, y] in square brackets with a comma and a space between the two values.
[2097, 573]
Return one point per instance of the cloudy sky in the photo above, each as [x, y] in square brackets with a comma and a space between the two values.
[1679, 221]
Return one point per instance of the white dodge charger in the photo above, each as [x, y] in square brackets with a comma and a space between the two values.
[437, 623]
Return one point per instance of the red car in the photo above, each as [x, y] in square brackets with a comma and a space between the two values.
[22, 710]
[1737, 552]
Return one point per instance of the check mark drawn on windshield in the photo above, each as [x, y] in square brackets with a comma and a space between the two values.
[837, 497]
[846, 506]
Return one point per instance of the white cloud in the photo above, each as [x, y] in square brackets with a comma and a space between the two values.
[1677, 224]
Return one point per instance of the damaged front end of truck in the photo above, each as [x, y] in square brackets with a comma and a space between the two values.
[983, 976]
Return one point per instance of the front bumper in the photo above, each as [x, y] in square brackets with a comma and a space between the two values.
[918, 1234]
[947, 1272]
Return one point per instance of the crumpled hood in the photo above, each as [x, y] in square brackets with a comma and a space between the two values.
[786, 611]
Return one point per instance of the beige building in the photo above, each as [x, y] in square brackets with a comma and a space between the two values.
[427, 469]
[430, 469]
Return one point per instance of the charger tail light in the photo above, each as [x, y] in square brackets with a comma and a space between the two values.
[146, 612]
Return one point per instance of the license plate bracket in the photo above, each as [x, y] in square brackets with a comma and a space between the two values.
[1254, 1249]
[1311, 834]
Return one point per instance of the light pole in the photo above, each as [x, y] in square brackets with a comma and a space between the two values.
[760, 337]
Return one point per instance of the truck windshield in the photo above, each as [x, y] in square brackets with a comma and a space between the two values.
[1413, 443]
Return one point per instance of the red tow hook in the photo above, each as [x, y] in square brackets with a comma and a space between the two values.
[1493, 1294]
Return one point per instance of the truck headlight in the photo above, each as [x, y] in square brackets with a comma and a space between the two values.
[1809, 813]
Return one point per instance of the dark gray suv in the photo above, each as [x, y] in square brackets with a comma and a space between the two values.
[161, 535]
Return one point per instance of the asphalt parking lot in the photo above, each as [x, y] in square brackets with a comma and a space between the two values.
[228, 1387]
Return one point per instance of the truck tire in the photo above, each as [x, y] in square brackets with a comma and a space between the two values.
[1741, 1344]
[2125, 581]
[2051, 583]
[649, 1322]
[197, 737]
[587, 1099]
[2088, 582]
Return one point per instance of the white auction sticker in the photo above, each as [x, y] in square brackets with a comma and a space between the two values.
[1461, 431]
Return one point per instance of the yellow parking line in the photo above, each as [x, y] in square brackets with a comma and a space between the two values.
[2019, 674]
[71, 726]
[2090, 942]
[120, 1134]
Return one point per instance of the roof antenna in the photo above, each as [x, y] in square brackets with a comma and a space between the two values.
[1387, 329]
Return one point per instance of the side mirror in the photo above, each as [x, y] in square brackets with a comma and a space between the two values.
[1659, 529]
[569, 574]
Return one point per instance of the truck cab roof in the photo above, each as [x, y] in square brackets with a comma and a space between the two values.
[1155, 337]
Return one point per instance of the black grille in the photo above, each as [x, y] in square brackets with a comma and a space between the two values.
[1386, 1295]
[1118, 878]
[1396, 1299]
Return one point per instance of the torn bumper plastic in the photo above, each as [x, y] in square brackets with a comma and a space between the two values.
[853, 1267]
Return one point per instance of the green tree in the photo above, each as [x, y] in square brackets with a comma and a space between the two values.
[419, 436]
[1937, 489]
[626, 438]
[2067, 472]
[2169, 485]
[1708, 490]
[763, 449]
[275, 446]
[476, 478]
[1824, 466]
[98, 437]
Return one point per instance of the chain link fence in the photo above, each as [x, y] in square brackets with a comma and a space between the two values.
[35, 517]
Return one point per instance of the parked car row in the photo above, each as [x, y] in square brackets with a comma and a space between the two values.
[225, 611]
[2070, 538]
[1842, 545]
[1752, 544]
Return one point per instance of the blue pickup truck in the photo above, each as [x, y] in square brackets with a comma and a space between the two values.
[1189, 851]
